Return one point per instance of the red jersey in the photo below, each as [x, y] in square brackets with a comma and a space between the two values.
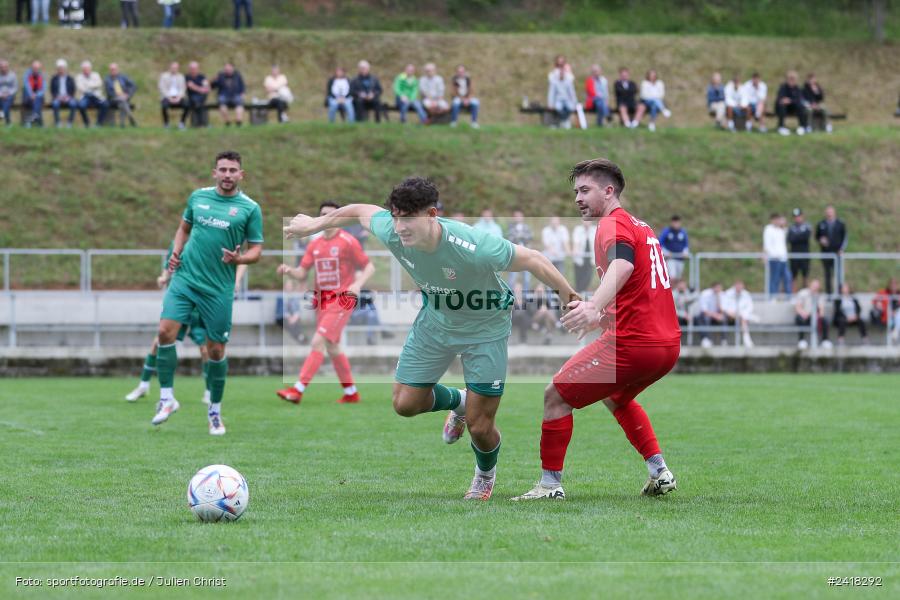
[643, 312]
[336, 262]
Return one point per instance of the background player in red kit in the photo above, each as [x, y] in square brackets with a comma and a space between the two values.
[640, 342]
[342, 268]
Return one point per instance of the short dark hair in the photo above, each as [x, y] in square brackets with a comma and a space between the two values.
[675, 218]
[601, 169]
[328, 203]
[229, 155]
[412, 195]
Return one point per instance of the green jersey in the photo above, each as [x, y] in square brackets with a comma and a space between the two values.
[217, 222]
[465, 299]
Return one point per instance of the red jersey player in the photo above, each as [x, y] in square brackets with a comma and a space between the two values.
[342, 268]
[640, 342]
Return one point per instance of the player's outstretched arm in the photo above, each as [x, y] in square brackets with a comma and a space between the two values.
[584, 316]
[526, 259]
[303, 226]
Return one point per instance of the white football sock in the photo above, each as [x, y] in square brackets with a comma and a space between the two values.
[460, 410]
[299, 387]
[489, 474]
[215, 409]
[656, 464]
[206, 395]
[166, 394]
[144, 386]
[349, 390]
[551, 478]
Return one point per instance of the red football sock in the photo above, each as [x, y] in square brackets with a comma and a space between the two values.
[555, 437]
[637, 427]
[310, 366]
[342, 368]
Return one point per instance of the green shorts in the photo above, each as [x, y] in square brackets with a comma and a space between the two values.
[214, 311]
[195, 330]
[424, 360]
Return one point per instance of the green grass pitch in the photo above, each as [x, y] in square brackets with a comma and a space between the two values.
[784, 481]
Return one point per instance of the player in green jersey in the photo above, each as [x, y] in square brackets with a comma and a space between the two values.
[207, 250]
[466, 312]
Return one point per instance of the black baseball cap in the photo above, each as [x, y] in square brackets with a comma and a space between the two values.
[797, 212]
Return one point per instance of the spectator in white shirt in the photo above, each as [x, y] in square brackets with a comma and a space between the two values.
[431, 86]
[753, 97]
[775, 248]
[278, 92]
[487, 223]
[173, 93]
[555, 238]
[733, 101]
[653, 94]
[583, 236]
[561, 95]
[91, 93]
[808, 305]
[709, 311]
[737, 304]
[337, 96]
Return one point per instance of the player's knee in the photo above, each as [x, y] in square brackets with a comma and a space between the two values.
[318, 344]
[552, 399]
[165, 335]
[333, 349]
[480, 427]
[216, 351]
[403, 404]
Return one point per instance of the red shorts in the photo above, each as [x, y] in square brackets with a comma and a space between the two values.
[330, 323]
[604, 369]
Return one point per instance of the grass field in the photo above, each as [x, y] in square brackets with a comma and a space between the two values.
[784, 481]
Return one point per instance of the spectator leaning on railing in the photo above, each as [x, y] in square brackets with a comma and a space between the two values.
[798, 236]
[366, 92]
[832, 236]
[809, 304]
[337, 96]
[597, 88]
[775, 249]
[715, 99]
[9, 85]
[675, 247]
[172, 90]
[463, 97]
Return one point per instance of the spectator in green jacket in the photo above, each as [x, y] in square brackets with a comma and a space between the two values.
[406, 88]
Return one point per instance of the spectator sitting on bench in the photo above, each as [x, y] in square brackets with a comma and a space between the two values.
[753, 98]
[278, 92]
[886, 308]
[337, 96]
[653, 95]
[789, 101]
[406, 89]
[626, 103]
[808, 303]
[431, 86]
[561, 95]
[847, 312]
[366, 92]
[597, 88]
[198, 88]
[366, 314]
[9, 85]
[683, 298]
[91, 93]
[34, 88]
[710, 312]
[737, 304]
[733, 101]
[120, 89]
[230, 87]
[62, 93]
[463, 98]
[813, 98]
[288, 311]
[173, 89]
[715, 99]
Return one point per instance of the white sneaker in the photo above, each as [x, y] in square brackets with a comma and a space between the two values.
[453, 124]
[667, 113]
[651, 126]
[138, 392]
[730, 125]
[542, 492]
[828, 128]
[801, 131]
[164, 409]
[633, 125]
[748, 126]
[474, 125]
[748, 342]
[660, 485]
[762, 129]
[706, 343]
[481, 489]
[216, 426]
[454, 427]
[802, 345]
[827, 345]
[784, 131]
[206, 399]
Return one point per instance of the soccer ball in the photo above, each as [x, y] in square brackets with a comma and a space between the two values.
[218, 493]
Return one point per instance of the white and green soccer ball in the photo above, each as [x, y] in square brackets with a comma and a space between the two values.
[218, 493]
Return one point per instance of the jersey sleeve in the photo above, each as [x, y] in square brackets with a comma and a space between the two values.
[382, 226]
[254, 233]
[359, 256]
[307, 261]
[188, 214]
[611, 231]
[496, 253]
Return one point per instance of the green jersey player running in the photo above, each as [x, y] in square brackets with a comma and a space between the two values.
[205, 255]
[466, 312]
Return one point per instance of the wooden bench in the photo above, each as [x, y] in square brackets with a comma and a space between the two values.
[25, 111]
[550, 117]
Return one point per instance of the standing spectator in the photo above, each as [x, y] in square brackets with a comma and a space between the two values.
[23, 11]
[119, 89]
[733, 101]
[597, 88]
[886, 308]
[406, 89]
[487, 224]
[753, 98]
[675, 247]
[737, 304]
[247, 5]
[813, 99]
[173, 91]
[583, 236]
[365, 89]
[653, 94]
[198, 87]
[561, 96]
[518, 232]
[683, 299]
[798, 237]
[431, 86]
[775, 249]
[278, 92]
[715, 99]
[831, 234]
[789, 101]
[91, 94]
[34, 89]
[710, 314]
[230, 87]
[90, 12]
[171, 9]
[62, 93]
[9, 85]
[337, 96]
[810, 304]
[463, 97]
[626, 103]
[847, 312]
[129, 13]
[555, 238]
[40, 11]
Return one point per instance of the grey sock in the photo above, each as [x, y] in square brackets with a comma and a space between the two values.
[656, 465]
[551, 478]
